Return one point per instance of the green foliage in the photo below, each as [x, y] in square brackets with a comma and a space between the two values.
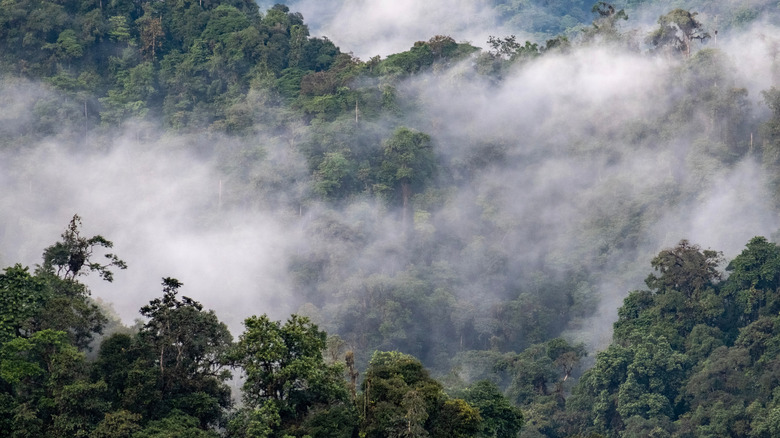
[334, 421]
[332, 172]
[260, 421]
[224, 20]
[508, 48]
[606, 27]
[119, 424]
[399, 398]
[225, 45]
[538, 380]
[67, 46]
[52, 298]
[21, 298]
[754, 278]
[684, 268]
[412, 61]
[166, 380]
[288, 384]
[189, 348]
[457, 418]
[68, 257]
[25, 358]
[119, 28]
[500, 418]
[703, 379]
[408, 163]
[440, 49]
[677, 30]
[134, 87]
[177, 425]
[44, 375]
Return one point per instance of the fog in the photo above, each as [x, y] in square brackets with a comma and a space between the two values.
[160, 205]
[585, 181]
[382, 27]
[563, 121]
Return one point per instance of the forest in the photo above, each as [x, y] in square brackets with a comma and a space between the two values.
[563, 229]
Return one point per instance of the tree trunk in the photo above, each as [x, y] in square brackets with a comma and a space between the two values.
[406, 192]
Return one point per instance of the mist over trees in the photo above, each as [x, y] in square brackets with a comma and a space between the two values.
[448, 230]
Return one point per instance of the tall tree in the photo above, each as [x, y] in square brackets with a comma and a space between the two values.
[152, 34]
[753, 284]
[22, 297]
[190, 347]
[49, 395]
[677, 30]
[68, 257]
[685, 268]
[408, 162]
[67, 305]
[287, 380]
[401, 399]
[500, 418]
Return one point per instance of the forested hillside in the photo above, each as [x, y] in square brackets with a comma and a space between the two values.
[448, 231]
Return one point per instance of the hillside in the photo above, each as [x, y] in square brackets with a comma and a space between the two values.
[480, 208]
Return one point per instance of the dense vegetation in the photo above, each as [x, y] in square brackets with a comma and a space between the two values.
[692, 355]
[432, 227]
[168, 377]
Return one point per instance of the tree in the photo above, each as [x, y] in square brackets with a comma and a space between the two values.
[67, 46]
[68, 257]
[671, 366]
[135, 86]
[401, 399]
[508, 48]
[119, 28]
[677, 30]
[408, 162]
[22, 297]
[500, 418]
[176, 425]
[333, 173]
[685, 268]
[565, 356]
[606, 25]
[287, 379]
[127, 367]
[415, 414]
[67, 306]
[409, 62]
[653, 380]
[44, 374]
[534, 375]
[119, 424]
[190, 347]
[754, 281]
[151, 34]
